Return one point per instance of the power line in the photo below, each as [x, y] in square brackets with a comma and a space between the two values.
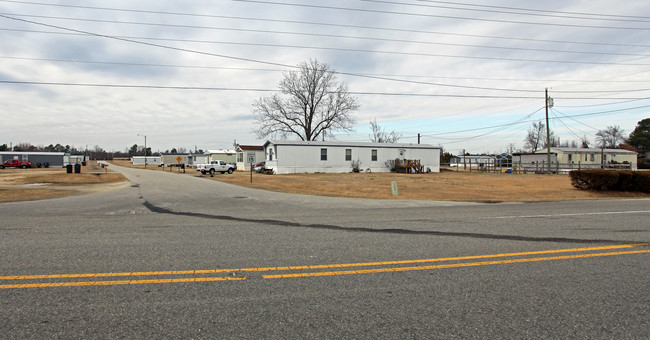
[271, 90]
[536, 10]
[556, 14]
[136, 86]
[320, 35]
[231, 57]
[440, 16]
[366, 74]
[555, 110]
[600, 43]
[556, 118]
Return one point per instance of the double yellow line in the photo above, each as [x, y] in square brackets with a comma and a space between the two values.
[317, 270]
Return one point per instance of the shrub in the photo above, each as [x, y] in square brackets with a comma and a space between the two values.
[610, 180]
[356, 166]
[625, 181]
[642, 181]
[390, 164]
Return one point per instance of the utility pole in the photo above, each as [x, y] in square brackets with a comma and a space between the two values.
[418, 138]
[549, 102]
[145, 149]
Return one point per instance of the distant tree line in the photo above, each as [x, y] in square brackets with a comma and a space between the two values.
[96, 152]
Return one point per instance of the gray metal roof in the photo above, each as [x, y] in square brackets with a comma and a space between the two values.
[353, 144]
[34, 153]
[587, 150]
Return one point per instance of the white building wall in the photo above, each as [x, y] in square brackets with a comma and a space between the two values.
[139, 160]
[244, 165]
[307, 158]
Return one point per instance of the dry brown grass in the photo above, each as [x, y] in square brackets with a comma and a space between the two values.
[30, 184]
[444, 186]
[34, 184]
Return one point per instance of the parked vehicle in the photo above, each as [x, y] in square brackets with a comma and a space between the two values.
[259, 167]
[14, 163]
[215, 166]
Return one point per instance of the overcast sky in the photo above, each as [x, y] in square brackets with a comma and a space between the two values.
[466, 75]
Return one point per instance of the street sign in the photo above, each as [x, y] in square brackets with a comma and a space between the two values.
[179, 159]
[251, 157]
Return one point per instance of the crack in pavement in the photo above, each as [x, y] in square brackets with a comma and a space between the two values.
[161, 210]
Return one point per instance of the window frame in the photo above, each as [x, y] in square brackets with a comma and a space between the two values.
[323, 154]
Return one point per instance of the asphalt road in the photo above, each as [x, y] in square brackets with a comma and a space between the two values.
[172, 256]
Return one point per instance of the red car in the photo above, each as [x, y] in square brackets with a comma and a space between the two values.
[14, 163]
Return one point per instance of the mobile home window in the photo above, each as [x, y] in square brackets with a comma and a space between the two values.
[570, 157]
[374, 155]
[323, 154]
[240, 157]
[348, 154]
[593, 157]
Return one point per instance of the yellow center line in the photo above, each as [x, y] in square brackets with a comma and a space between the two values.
[312, 267]
[122, 282]
[325, 266]
[453, 265]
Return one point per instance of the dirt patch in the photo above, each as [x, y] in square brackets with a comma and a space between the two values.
[35, 184]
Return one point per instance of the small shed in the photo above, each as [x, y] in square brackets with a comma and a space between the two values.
[286, 157]
[247, 154]
[50, 159]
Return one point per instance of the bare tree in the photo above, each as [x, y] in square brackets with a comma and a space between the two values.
[381, 136]
[610, 137]
[311, 103]
[536, 137]
[584, 142]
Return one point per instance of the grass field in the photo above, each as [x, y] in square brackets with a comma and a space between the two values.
[34, 184]
[444, 186]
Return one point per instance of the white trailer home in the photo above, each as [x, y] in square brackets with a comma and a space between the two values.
[151, 160]
[248, 153]
[288, 157]
[228, 156]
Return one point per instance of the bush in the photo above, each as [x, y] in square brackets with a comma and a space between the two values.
[390, 164]
[610, 180]
[356, 166]
[642, 181]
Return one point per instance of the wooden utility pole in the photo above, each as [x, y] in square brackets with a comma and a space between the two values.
[548, 132]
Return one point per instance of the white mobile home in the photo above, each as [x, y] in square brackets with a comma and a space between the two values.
[286, 157]
[228, 156]
[574, 158]
[151, 160]
[247, 154]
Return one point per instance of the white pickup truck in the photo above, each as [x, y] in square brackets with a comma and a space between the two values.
[215, 166]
